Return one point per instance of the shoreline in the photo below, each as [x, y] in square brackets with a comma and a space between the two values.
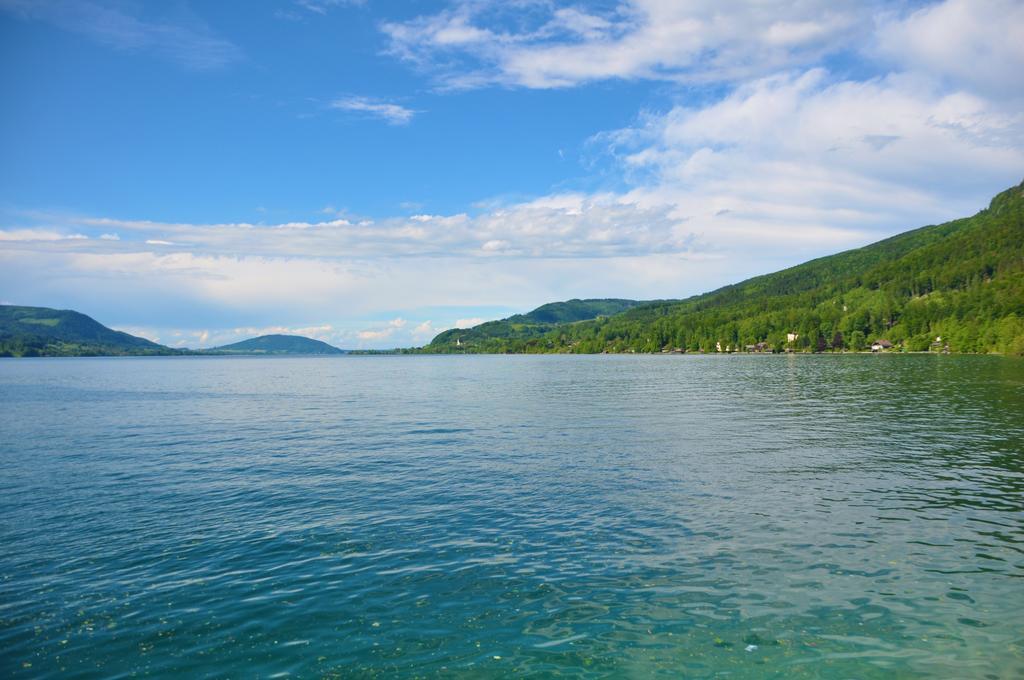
[371, 353]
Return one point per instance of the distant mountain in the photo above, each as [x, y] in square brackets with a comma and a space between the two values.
[278, 344]
[491, 336]
[40, 331]
[957, 286]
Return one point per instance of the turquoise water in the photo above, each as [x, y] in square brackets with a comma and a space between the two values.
[608, 516]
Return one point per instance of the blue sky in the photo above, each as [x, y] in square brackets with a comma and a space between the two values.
[371, 173]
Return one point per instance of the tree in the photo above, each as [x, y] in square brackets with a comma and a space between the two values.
[837, 341]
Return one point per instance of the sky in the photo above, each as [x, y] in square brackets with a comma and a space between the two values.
[371, 173]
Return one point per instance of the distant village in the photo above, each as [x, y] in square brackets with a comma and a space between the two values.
[877, 346]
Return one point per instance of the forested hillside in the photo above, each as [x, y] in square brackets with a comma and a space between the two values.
[962, 281]
[493, 335]
[41, 331]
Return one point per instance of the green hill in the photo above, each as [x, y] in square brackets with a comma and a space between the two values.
[40, 331]
[575, 310]
[493, 335]
[962, 281]
[278, 344]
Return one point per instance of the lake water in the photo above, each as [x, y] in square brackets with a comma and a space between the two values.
[588, 516]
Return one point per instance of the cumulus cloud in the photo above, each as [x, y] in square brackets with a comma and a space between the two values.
[424, 331]
[393, 114]
[976, 46]
[808, 159]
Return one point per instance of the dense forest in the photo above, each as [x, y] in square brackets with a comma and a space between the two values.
[956, 287]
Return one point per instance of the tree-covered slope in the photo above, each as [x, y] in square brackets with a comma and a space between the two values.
[575, 310]
[492, 335]
[962, 281]
[40, 331]
[278, 344]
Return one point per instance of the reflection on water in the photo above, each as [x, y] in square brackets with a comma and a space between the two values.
[750, 516]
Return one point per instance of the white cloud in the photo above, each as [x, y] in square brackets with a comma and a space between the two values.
[496, 245]
[382, 333]
[110, 237]
[190, 288]
[555, 226]
[803, 159]
[37, 235]
[469, 323]
[472, 44]
[393, 114]
[974, 45]
[424, 331]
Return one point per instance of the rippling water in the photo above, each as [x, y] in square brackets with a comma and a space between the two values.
[749, 516]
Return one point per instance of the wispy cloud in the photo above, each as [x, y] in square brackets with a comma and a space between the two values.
[189, 42]
[323, 6]
[556, 226]
[475, 43]
[393, 114]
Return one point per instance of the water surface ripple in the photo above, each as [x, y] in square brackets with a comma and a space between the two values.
[609, 516]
